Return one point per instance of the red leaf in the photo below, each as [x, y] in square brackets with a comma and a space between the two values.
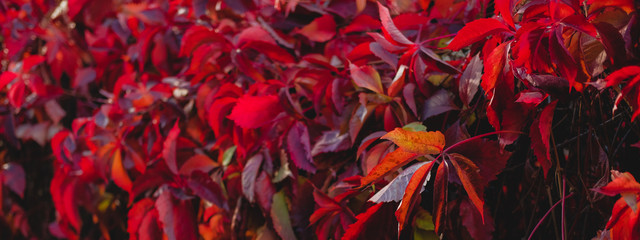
[264, 191]
[412, 194]
[13, 176]
[198, 162]
[6, 78]
[475, 31]
[505, 8]
[366, 77]
[493, 67]
[622, 74]
[17, 94]
[621, 183]
[474, 223]
[561, 57]
[440, 198]
[362, 23]
[299, 147]
[321, 29]
[254, 33]
[274, 52]
[540, 133]
[196, 36]
[142, 221]
[580, 23]
[31, 61]
[390, 28]
[255, 111]
[218, 112]
[169, 150]
[357, 228]
[471, 180]
[203, 186]
[177, 216]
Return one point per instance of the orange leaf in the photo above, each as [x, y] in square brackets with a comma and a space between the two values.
[421, 143]
[472, 182]
[118, 173]
[411, 194]
[389, 163]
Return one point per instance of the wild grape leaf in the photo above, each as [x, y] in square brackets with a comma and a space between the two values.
[169, 150]
[357, 228]
[255, 111]
[6, 78]
[249, 175]
[31, 61]
[494, 66]
[375, 222]
[204, 187]
[470, 80]
[624, 73]
[366, 77]
[505, 9]
[421, 143]
[479, 226]
[625, 185]
[440, 102]
[321, 29]
[13, 176]
[389, 163]
[412, 194]
[396, 188]
[475, 31]
[331, 141]
[624, 221]
[472, 182]
[299, 147]
[561, 57]
[198, 162]
[264, 190]
[177, 216]
[142, 221]
[389, 27]
[119, 173]
[280, 216]
[440, 197]
[196, 36]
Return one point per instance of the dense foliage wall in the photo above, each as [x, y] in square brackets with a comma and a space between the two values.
[327, 119]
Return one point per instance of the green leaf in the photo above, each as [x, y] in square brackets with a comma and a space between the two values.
[280, 216]
[228, 155]
[415, 127]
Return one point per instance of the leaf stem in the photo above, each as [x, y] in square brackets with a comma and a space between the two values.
[546, 214]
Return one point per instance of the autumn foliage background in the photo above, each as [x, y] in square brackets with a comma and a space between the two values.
[327, 119]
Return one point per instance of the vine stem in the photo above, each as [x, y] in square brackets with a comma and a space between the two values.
[547, 214]
[564, 187]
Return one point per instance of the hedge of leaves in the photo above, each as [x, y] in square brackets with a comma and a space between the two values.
[323, 119]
